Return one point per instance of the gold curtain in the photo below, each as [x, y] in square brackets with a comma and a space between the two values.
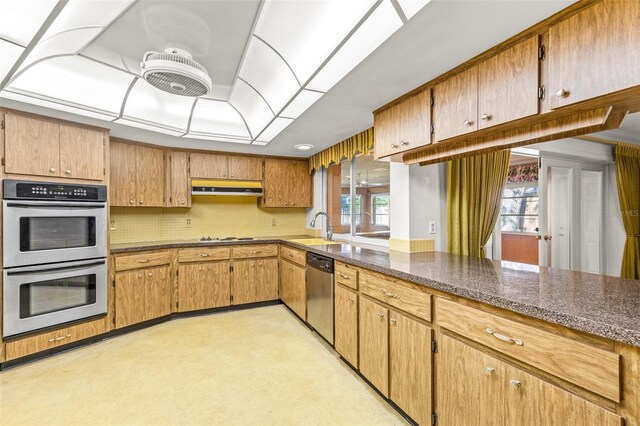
[474, 193]
[628, 178]
[361, 143]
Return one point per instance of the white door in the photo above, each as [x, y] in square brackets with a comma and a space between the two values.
[559, 217]
[591, 205]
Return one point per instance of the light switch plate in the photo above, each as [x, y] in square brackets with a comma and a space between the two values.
[432, 226]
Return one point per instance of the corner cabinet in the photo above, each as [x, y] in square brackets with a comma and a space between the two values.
[287, 183]
[137, 176]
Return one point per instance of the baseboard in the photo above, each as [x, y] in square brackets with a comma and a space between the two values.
[412, 246]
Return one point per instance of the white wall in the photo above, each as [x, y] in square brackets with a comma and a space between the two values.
[319, 199]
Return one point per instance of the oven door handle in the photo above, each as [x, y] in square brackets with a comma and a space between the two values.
[49, 205]
[34, 270]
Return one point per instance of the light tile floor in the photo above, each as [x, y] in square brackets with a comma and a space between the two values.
[252, 367]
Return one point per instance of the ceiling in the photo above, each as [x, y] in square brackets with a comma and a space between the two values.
[369, 172]
[284, 72]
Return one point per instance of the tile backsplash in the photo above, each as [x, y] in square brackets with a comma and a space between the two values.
[217, 216]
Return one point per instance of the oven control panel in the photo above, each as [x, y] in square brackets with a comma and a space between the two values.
[22, 190]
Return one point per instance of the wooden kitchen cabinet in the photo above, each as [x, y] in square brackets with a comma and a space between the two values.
[255, 280]
[287, 183]
[594, 52]
[346, 324]
[204, 285]
[404, 126]
[142, 295]
[137, 176]
[245, 168]
[374, 344]
[293, 291]
[179, 179]
[209, 166]
[508, 85]
[47, 148]
[455, 108]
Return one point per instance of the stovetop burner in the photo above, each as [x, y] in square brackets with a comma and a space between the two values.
[215, 239]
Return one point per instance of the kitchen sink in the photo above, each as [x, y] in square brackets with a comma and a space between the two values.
[314, 241]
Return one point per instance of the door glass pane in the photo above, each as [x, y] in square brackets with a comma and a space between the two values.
[50, 233]
[57, 295]
[374, 198]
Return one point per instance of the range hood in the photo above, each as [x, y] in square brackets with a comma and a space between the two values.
[226, 187]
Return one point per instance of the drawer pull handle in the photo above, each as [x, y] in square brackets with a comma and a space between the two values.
[255, 252]
[346, 277]
[143, 261]
[57, 339]
[392, 320]
[389, 293]
[505, 338]
[516, 383]
[291, 254]
[381, 314]
[490, 370]
[205, 254]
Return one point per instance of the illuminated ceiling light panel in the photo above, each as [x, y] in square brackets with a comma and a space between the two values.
[108, 56]
[20, 20]
[301, 103]
[9, 53]
[306, 32]
[82, 14]
[76, 80]
[216, 138]
[278, 125]
[34, 100]
[411, 7]
[266, 72]
[148, 104]
[68, 43]
[383, 22]
[145, 126]
[254, 110]
[217, 117]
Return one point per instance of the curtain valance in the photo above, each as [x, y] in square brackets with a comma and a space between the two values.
[361, 143]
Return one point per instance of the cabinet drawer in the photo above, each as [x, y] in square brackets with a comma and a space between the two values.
[397, 293]
[142, 260]
[593, 368]
[255, 251]
[346, 275]
[200, 254]
[49, 340]
[293, 255]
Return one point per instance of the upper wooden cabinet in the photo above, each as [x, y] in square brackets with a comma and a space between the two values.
[508, 85]
[46, 148]
[245, 168]
[455, 108]
[137, 176]
[209, 166]
[404, 126]
[287, 183]
[179, 180]
[594, 52]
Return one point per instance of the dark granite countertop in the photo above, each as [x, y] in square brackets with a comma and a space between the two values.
[597, 304]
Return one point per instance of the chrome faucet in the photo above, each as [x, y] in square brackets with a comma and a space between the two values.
[329, 226]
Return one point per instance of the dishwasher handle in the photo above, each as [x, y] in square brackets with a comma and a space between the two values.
[319, 262]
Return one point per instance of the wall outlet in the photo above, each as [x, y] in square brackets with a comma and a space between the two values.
[432, 226]
[189, 223]
[112, 225]
[273, 221]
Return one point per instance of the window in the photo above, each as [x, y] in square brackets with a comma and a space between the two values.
[520, 209]
[380, 209]
[345, 217]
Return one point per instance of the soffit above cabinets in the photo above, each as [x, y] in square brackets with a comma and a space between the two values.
[270, 60]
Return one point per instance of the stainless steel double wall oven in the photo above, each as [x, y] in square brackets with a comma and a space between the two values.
[54, 254]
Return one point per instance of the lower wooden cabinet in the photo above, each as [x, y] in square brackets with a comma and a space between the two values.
[255, 280]
[141, 295]
[293, 291]
[476, 388]
[374, 344]
[346, 324]
[204, 285]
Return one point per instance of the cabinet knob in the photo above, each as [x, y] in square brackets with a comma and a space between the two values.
[485, 117]
[68, 172]
[392, 320]
[139, 276]
[467, 123]
[394, 145]
[182, 202]
[52, 170]
[516, 383]
[150, 274]
[232, 175]
[381, 314]
[253, 264]
[352, 301]
[285, 204]
[141, 201]
[490, 370]
[404, 143]
[130, 201]
[200, 269]
[561, 93]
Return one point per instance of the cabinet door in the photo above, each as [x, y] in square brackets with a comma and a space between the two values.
[293, 288]
[150, 177]
[531, 401]
[346, 324]
[414, 115]
[386, 127]
[245, 168]
[267, 280]
[244, 281]
[122, 178]
[191, 287]
[276, 181]
[594, 52]
[374, 344]
[298, 192]
[218, 284]
[508, 85]
[31, 146]
[456, 105]
[180, 182]
[81, 153]
[469, 387]
[130, 298]
[410, 366]
[209, 166]
[157, 292]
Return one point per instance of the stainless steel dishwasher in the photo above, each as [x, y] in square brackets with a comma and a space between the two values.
[320, 295]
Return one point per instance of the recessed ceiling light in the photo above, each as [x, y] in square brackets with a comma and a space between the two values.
[304, 147]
